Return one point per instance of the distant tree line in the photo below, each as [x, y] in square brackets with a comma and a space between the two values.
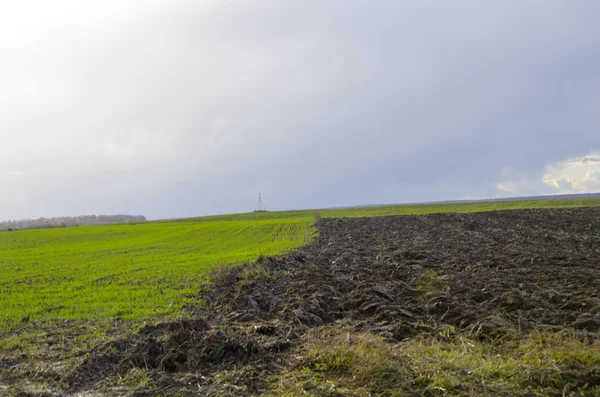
[64, 221]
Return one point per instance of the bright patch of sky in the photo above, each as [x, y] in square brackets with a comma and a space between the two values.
[577, 175]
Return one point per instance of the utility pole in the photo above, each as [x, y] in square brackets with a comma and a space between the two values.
[260, 207]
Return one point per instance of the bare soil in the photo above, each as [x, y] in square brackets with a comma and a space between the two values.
[493, 275]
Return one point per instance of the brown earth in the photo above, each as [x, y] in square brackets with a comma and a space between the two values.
[493, 275]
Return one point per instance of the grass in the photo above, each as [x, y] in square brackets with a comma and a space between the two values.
[339, 361]
[127, 271]
[152, 269]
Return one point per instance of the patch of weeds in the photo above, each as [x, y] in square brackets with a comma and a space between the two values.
[539, 363]
[219, 275]
[136, 378]
[337, 361]
[446, 331]
[11, 342]
[255, 271]
[430, 286]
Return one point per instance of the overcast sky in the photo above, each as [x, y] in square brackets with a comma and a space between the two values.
[173, 108]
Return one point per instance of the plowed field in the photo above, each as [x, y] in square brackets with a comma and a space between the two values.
[495, 303]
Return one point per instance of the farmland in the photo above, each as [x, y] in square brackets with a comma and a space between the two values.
[412, 209]
[127, 271]
[470, 303]
[152, 269]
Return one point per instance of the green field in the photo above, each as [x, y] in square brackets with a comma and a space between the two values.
[391, 210]
[126, 270]
[152, 269]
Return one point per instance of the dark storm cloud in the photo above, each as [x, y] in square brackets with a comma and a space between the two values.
[182, 109]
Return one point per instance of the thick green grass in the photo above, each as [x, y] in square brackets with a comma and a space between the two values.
[127, 271]
[152, 269]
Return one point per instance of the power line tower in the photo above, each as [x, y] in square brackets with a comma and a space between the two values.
[260, 206]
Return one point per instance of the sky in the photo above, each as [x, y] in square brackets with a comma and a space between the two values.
[187, 108]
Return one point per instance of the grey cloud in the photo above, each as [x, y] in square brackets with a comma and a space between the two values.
[188, 108]
[584, 160]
